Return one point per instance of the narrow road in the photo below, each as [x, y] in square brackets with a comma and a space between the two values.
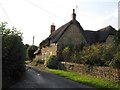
[35, 78]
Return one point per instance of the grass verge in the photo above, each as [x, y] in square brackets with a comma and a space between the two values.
[87, 79]
[27, 61]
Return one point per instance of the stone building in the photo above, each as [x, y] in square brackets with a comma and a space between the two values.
[72, 33]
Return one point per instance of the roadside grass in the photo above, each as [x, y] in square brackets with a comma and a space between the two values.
[27, 61]
[87, 79]
[82, 78]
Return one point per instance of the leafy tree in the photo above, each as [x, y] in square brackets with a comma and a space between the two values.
[31, 51]
[26, 46]
[12, 54]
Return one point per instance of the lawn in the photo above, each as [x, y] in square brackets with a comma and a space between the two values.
[88, 80]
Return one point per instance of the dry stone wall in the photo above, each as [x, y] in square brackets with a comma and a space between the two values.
[98, 71]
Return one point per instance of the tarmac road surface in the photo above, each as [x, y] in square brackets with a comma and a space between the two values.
[35, 78]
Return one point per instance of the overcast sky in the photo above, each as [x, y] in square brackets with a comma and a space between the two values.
[34, 17]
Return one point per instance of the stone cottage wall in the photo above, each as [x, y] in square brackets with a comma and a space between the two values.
[103, 72]
[109, 39]
[73, 35]
[48, 51]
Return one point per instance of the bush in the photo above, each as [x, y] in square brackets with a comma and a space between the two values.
[75, 58]
[98, 54]
[91, 55]
[13, 54]
[26, 46]
[116, 60]
[95, 55]
[71, 53]
[107, 54]
[52, 62]
[31, 51]
[66, 53]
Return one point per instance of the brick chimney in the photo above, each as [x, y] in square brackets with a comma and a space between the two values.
[52, 28]
[73, 15]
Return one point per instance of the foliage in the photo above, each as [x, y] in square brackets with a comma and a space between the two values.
[26, 46]
[116, 60]
[52, 62]
[96, 54]
[31, 51]
[71, 52]
[66, 53]
[117, 38]
[12, 53]
[75, 58]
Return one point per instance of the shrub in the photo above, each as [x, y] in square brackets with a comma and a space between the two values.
[116, 60]
[75, 58]
[107, 54]
[31, 51]
[13, 54]
[98, 54]
[91, 55]
[26, 46]
[66, 53]
[52, 62]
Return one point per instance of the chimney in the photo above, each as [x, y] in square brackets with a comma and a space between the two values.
[52, 28]
[73, 15]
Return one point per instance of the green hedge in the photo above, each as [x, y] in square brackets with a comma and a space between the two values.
[13, 55]
[96, 55]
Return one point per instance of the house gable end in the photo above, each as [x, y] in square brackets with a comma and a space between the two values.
[73, 34]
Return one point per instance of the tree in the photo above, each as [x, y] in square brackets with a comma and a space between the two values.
[31, 51]
[26, 46]
[12, 54]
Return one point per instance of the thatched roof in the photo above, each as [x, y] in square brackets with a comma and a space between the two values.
[100, 35]
[90, 36]
[56, 35]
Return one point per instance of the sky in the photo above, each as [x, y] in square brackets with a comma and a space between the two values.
[34, 17]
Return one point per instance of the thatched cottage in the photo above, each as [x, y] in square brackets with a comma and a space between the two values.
[72, 33]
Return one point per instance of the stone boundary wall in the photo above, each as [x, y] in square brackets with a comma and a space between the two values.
[98, 71]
